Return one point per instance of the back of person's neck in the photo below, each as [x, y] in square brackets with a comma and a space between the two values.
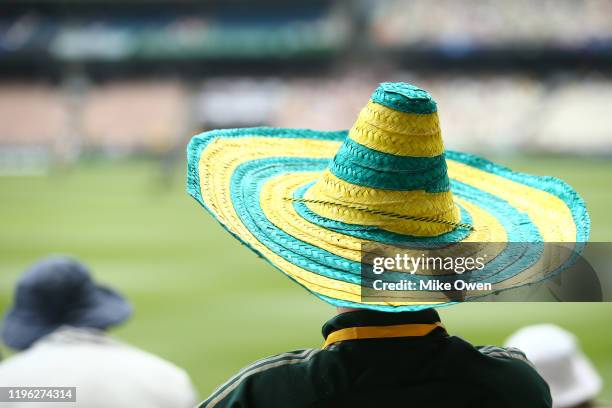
[341, 310]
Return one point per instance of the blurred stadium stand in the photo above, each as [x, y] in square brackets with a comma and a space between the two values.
[134, 115]
[484, 24]
[32, 114]
[140, 76]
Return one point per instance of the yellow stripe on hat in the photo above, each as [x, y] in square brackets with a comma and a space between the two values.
[403, 134]
[283, 215]
[547, 211]
[417, 203]
[221, 157]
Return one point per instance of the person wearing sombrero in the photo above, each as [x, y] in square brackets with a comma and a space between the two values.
[309, 201]
[58, 325]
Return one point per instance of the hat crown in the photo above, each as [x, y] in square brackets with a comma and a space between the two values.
[390, 171]
[404, 97]
[52, 286]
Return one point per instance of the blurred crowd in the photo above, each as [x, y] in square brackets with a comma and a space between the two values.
[70, 108]
[276, 30]
[168, 31]
[489, 23]
[564, 113]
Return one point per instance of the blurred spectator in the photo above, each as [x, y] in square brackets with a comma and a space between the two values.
[555, 352]
[58, 322]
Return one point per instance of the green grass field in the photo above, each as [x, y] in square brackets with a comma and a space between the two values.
[207, 303]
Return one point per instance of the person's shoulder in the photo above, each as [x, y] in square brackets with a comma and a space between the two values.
[499, 373]
[135, 373]
[515, 372]
[88, 353]
[281, 377]
[513, 360]
[509, 353]
[145, 362]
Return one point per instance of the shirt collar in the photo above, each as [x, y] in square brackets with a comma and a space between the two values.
[363, 318]
[71, 334]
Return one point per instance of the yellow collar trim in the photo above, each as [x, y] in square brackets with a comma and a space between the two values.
[378, 332]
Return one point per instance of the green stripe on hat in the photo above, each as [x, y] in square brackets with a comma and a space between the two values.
[360, 165]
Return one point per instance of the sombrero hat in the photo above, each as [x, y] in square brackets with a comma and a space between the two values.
[307, 201]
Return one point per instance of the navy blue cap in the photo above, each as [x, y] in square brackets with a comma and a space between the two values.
[55, 292]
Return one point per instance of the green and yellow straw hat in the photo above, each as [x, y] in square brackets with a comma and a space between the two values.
[307, 201]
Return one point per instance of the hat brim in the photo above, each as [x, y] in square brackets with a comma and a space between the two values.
[243, 177]
[102, 309]
[585, 386]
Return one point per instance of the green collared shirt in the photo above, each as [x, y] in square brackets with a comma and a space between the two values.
[432, 370]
